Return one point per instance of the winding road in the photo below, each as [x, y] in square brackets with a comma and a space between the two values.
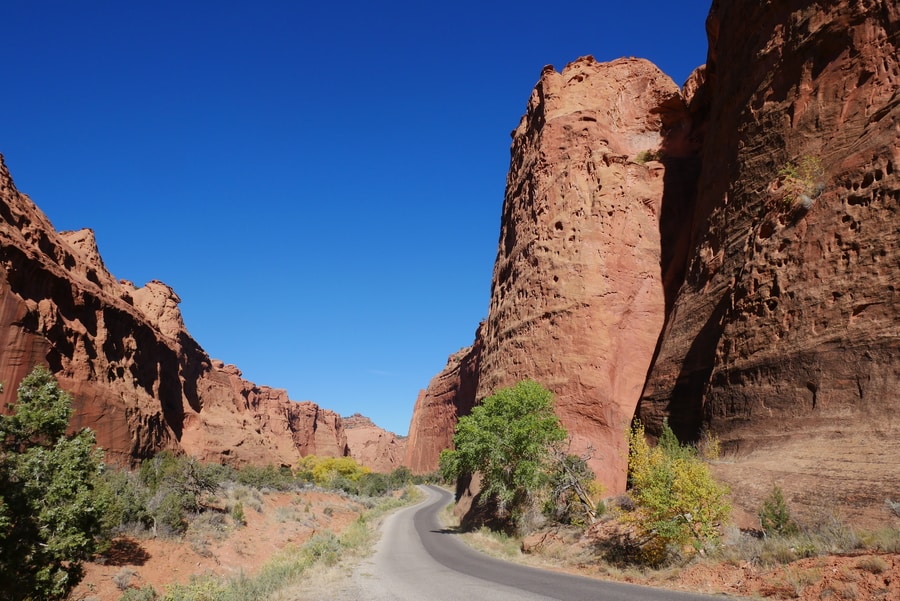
[417, 560]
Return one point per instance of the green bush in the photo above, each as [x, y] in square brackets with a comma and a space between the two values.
[325, 548]
[800, 183]
[268, 476]
[645, 156]
[677, 500]
[53, 505]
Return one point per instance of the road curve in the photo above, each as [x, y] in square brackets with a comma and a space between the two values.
[416, 560]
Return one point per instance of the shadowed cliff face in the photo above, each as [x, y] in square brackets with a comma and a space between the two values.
[784, 338]
[137, 377]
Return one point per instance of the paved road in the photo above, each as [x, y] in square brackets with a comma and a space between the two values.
[416, 561]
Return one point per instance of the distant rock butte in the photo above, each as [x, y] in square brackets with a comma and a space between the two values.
[372, 446]
[707, 286]
[137, 377]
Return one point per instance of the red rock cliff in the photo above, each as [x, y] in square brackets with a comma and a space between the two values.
[784, 337]
[765, 244]
[137, 377]
[577, 299]
[449, 396]
[374, 447]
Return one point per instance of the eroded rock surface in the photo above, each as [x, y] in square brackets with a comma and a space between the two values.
[137, 377]
[784, 338]
[763, 245]
[577, 299]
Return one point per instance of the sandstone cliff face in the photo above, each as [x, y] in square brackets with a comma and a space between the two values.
[764, 244]
[784, 338]
[137, 377]
[375, 448]
[577, 299]
[449, 396]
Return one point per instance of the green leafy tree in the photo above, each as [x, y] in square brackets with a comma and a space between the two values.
[678, 501]
[52, 506]
[509, 439]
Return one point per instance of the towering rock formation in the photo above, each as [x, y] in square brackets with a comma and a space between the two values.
[137, 377]
[784, 338]
[449, 396]
[577, 298]
[373, 447]
[764, 244]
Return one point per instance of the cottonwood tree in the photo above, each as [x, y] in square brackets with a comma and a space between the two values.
[509, 439]
[51, 507]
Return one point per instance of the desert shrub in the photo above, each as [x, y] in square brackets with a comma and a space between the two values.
[211, 524]
[874, 565]
[269, 476]
[251, 498]
[237, 514]
[885, 539]
[399, 478]
[645, 156]
[167, 512]
[374, 485]
[324, 548]
[774, 515]
[205, 588]
[147, 593]
[175, 487]
[677, 498]
[123, 578]
[800, 183]
[129, 499]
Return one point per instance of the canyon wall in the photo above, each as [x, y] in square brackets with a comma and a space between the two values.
[136, 376]
[784, 337]
[449, 396]
[743, 284]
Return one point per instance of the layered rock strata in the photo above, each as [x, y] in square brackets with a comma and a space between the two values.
[137, 377]
[784, 337]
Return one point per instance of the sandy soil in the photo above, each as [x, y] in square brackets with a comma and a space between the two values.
[283, 519]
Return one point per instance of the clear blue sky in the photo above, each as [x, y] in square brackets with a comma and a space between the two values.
[320, 182]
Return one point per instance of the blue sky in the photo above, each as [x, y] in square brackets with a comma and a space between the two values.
[321, 183]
